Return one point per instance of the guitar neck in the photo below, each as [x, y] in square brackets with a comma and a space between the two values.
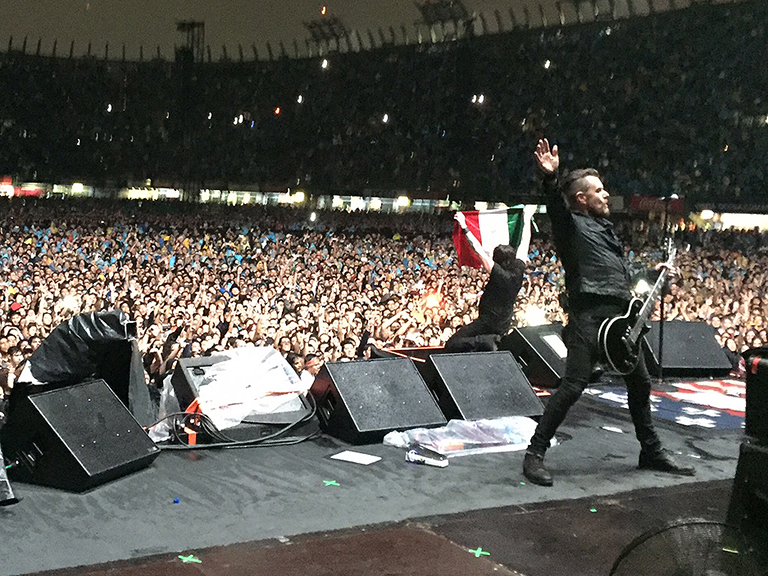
[647, 309]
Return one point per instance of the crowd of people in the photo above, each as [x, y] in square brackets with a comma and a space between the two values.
[664, 103]
[457, 118]
[201, 279]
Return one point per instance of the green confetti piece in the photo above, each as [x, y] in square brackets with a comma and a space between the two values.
[593, 509]
[331, 483]
[479, 552]
[191, 558]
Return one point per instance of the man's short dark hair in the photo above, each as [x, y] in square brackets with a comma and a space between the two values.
[575, 181]
[505, 255]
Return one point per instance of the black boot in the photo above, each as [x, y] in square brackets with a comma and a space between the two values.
[663, 461]
[534, 470]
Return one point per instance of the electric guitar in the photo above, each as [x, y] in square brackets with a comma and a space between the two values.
[619, 338]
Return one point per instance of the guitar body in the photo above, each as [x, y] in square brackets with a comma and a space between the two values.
[614, 338]
[619, 338]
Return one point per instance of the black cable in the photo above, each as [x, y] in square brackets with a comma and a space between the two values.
[225, 442]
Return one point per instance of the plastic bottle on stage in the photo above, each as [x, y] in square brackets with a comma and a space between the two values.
[421, 455]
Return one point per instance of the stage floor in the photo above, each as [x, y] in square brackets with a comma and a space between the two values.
[294, 510]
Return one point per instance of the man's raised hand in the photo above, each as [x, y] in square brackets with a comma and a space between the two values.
[459, 217]
[547, 159]
[529, 210]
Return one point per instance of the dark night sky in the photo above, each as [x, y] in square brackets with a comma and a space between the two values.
[153, 22]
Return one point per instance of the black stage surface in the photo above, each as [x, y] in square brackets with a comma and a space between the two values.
[275, 510]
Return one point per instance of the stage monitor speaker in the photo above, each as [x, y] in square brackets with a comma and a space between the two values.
[690, 349]
[475, 385]
[541, 352]
[75, 438]
[192, 375]
[189, 376]
[748, 508]
[756, 421]
[361, 401]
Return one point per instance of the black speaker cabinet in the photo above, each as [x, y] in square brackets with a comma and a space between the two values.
[748, 507]
[190, 375]
[541, 352]
[475, 385]
[75, 438]
[193, 374]
[756, 421]
[690, 349]
[361, 401]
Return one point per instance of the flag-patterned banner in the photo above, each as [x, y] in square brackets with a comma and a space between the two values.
[717, 404]
[491, 228]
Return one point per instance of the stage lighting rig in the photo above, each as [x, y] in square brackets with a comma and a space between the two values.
[326, 30]
[442, 12]
[194, 38]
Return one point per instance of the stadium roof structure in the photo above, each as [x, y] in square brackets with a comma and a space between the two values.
[231, 23]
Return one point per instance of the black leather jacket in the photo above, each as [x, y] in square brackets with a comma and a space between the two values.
[591, 253]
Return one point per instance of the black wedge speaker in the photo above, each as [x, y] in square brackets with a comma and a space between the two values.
[690, 349]
[361, 401]
[75, 438]
[541, 352]
[478, 385]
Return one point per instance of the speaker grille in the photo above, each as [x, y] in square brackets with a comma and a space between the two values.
[540, 351]
[690, 349]
[361, 401]
[77, 437]
[481, 385]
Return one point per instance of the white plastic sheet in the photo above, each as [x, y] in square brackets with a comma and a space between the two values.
[254, 380]
[464, 437]
[251, 380]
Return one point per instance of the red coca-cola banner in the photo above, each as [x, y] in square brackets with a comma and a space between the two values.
[653, 204]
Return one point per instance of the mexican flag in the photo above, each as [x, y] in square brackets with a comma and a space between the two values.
[491, 228]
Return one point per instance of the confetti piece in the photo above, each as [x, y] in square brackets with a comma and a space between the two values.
[191, 558]
[479, 552]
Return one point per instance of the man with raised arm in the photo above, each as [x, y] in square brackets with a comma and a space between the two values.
[496, 308]
[598, 287]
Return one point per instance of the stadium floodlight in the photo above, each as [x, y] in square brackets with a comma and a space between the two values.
[327, 30]
[438, 13]
[442, 11]
[402, 202]
[642, 287]
[535, 316]
[194, 38]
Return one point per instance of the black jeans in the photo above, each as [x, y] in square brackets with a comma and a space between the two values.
[477, 336]
[583, 355]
